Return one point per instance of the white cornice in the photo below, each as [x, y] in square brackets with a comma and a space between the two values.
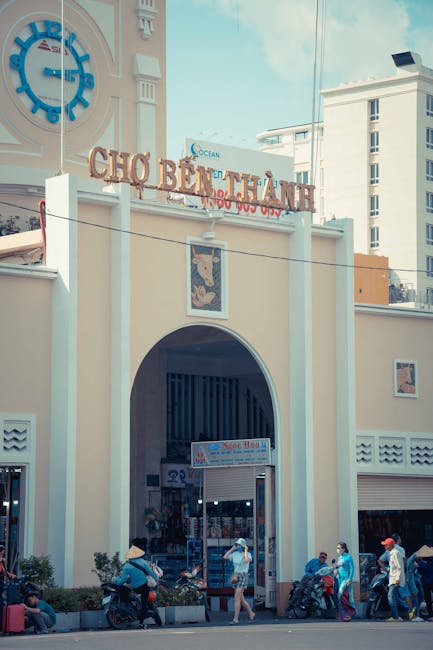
[20, 270]
[385, 310]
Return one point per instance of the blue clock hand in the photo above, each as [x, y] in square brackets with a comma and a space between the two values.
[69, 74]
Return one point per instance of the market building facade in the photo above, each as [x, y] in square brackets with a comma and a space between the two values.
[148, 328]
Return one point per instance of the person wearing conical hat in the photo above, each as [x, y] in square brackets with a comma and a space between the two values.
[136, 572]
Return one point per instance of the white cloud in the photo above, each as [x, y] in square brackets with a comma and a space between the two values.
[360, 36]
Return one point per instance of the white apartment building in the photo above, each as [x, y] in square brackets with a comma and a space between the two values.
[378, 161]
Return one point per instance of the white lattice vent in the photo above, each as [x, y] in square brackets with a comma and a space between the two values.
[364, 450]
[421, 452]
[15, 437]
[391, 452]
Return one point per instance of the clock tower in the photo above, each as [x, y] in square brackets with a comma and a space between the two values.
[95, 67]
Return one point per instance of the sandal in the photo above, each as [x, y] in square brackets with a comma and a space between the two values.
[251, 620]
[234, 622]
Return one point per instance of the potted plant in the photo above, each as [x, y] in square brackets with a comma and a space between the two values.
[181, 606]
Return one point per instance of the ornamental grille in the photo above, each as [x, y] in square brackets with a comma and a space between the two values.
[15, 437]
[212, 408]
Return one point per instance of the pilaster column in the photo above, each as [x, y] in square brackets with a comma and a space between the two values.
[302, 505]
[62, 254]
[120, 371]
[346, 394]
[146, 73]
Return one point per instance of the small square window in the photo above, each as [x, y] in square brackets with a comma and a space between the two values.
[301, 135]
[429, 234]
[429, 138]
[302, 177]
[429, 201]
[429, 170]
[429, 266]
[429, 105]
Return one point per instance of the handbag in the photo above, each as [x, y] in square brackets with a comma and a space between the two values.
[151, 582]
[234, 578]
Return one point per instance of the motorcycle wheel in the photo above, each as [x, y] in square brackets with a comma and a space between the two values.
[371, 608]
[114, 619]
[300, 612]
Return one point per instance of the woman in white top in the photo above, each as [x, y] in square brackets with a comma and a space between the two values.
[241, 559]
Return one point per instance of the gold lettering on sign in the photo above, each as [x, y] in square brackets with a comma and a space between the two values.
[92, 162]
[118, 161]
[136, 179]
[196, 180]
[231, 178]
[247, 188]
[167, 175]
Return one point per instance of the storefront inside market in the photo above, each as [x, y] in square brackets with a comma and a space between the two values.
[201, 385]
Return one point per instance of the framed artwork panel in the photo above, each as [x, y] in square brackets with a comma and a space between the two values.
[206, 267]
[405, 378]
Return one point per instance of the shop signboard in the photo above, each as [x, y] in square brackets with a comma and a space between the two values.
[178, 475]
[229, 453]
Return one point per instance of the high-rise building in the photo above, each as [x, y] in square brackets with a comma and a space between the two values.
[378, 167]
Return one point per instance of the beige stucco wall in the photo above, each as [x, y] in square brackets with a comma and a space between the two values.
[379, 340]
[25, 370]
[93, 397]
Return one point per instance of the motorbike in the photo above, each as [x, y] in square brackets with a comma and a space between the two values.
[313, 596]
[122, 606]
[189, 587]
[378, 594]
[18, 589]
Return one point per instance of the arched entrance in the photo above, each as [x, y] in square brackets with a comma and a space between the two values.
[198, 383]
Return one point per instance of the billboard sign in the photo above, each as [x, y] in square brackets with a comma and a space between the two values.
[224, 157]
[229, 453]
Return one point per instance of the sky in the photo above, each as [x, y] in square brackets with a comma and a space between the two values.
[236, 68]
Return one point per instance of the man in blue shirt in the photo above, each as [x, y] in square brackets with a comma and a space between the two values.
[39, 614]
[316, 563]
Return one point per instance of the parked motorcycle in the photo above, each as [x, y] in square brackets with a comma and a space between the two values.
[189, 587]
[377, 595]
[313, 596]
[122, 606]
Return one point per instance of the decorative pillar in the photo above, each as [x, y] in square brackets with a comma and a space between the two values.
[346, 394]
[120, 370]
[302, 504]
[146, 73]
[146, 13]
[62, 254]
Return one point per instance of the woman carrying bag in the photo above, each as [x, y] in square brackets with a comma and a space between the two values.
[139, 574]
[241, 559]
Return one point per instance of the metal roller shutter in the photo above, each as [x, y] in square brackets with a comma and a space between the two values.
[395, 493]
[230, 483]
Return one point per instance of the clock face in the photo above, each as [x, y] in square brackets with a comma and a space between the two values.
[35, 63]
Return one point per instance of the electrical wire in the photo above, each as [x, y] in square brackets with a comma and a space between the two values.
[225, 250]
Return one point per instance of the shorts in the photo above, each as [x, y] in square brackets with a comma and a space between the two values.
[242, 581]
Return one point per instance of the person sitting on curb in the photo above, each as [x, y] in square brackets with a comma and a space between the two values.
[39, 614]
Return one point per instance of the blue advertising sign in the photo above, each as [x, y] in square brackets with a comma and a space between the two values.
[227, 453]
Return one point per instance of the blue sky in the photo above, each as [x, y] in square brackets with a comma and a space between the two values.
[239, 67]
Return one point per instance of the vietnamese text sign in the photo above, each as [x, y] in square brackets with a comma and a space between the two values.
[223, 453]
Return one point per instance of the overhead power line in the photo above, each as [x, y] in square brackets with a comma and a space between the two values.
[282, 258]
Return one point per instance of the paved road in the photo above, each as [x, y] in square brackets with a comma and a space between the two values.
[281, 635]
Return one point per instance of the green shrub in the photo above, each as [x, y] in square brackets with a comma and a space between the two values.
[73, 600]
[107, 569]
[39, 569]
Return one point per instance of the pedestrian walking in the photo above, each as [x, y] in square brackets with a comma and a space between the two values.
[241, 558]
[344, 572]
